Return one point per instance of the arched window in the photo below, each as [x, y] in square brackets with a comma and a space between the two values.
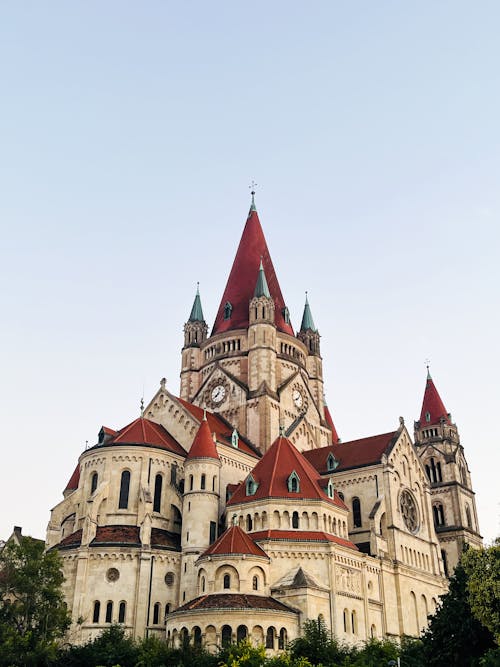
[341, 496]
[445, 562]
[255, 583]
[249, 522]
[433, 470]
[93, 482]
[251, 486]
[156, 613]
[227, 581]
[353, 622]
[241, 633]
[293, 483]
[295, 520]
[203, 481]
[197, 636]
[228, 309]
[331, 462]
[97, 611]
[346, 626]
[203, 584]
[373, 632]
[191, 482]
[124, 489]
[109, 612]
[356, 512]
[270, 637]
[438, 512]
[157, 497]
[121, 612]
[227, 635]
[213, 483]
[167, 610]
[468, 517]
[282, 639]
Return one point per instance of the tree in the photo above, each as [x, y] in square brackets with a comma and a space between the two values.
[482, 567]
[454, 636]
[33, 614]
[318, 645]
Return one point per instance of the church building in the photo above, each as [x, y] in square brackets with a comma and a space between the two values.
[234, 510]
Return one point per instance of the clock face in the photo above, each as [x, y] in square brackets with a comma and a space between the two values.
[297, 398]
[218, 393]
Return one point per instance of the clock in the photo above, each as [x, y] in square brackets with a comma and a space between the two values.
[297, 398]
[218, 393]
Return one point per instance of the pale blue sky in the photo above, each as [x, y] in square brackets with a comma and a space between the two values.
[129, 133]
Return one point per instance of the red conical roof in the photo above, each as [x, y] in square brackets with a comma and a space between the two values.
[145, 432]
[203, 446]
[432, 406]
[272, 472]
[243, 277]
[234, 541]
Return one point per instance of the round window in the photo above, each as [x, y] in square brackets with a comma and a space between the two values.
[169, 578]
[112, 574]
[409, 511]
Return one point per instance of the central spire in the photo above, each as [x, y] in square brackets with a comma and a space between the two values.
[252, 254]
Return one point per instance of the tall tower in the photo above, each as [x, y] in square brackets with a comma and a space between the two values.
[453, 500]
[195, 333]
[200, 514]
[309, 335]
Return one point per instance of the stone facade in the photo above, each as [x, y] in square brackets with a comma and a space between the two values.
[168, 537]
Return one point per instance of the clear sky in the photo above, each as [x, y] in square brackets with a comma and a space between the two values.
[129, 133]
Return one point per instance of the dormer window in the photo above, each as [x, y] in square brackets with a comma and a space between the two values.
[286, 315]
[331, 462]
[330, 488]
[234, 439]
[428, 417]
[293, 483]
[228, 309]
[252, 486]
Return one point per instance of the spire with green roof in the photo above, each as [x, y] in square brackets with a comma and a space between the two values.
[307, 320]
[261, 288]
[196, 310]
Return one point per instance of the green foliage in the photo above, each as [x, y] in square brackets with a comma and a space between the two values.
[242, 654]
[112, 647]
[319, 647]
[454, 636]
[33, 615]
[374, 652]
[482, 567]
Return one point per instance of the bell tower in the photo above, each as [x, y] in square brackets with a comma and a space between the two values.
[453, 501]
[195, 334]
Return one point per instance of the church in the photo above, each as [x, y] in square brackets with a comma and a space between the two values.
[234, 510]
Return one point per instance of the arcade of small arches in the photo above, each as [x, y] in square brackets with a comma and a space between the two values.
[212, 636]
[227, 578]
[295, 520]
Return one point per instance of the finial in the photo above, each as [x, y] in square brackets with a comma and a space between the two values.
[204, 414]
[252, 187]
[197, 287]
[282, 431]
[163, 382]
[427, 364]
[142, 406]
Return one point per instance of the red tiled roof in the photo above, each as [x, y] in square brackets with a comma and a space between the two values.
[203, 446]
[145, 432]
[234, 601]
[116, 535]
[329, 421]
[234, 541]
[74, 480]
[109, 431]
[353, 454]
[301, 536]
[73, 540]
[243, 278]
[218, 426]
[433, 405]
[272, 472]
[164, 538]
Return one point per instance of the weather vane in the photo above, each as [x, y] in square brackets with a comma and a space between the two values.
[252, 187]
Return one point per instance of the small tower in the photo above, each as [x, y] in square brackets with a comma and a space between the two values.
[453, 501]
[309, 335]
[195, 333]
[200, 505]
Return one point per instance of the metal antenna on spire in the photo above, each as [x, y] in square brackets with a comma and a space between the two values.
[142, 406]
[252, 187]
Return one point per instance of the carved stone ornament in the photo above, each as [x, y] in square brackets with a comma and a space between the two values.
[409, 511]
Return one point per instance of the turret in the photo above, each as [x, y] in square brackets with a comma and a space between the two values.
[195, 333]
[453, 501]
[200, 504]
[261, 337]
[309, 335]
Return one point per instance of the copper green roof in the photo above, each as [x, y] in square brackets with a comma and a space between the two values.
[307, 320]
[196, 310]
[261, 288]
